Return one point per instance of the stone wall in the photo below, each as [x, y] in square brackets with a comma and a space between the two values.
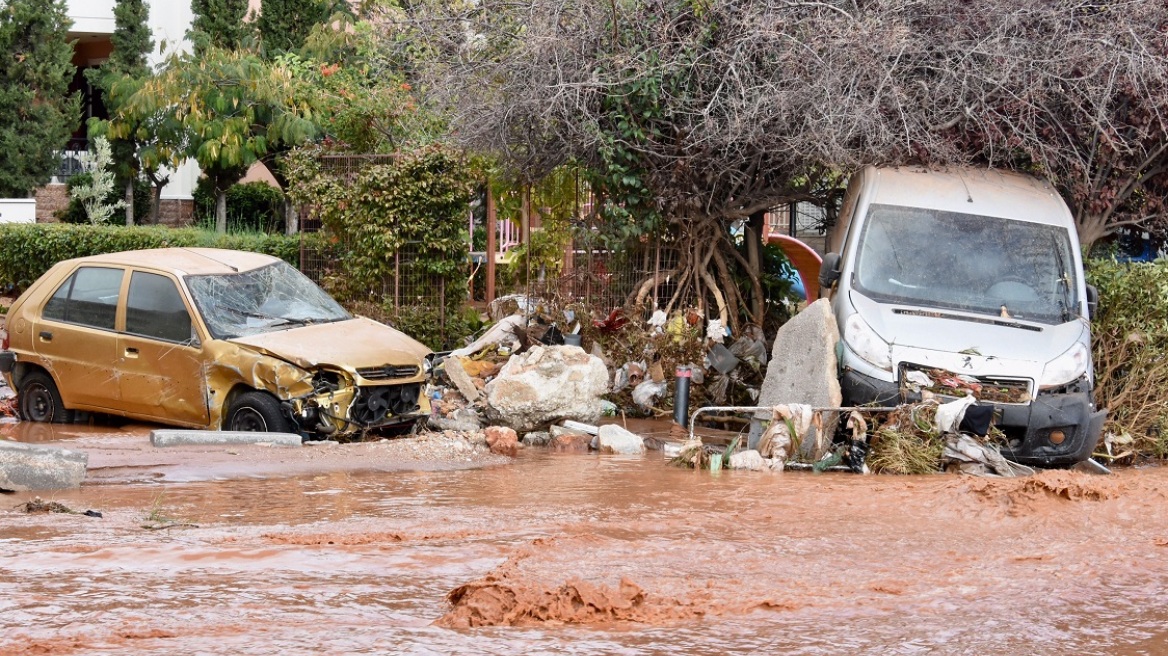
[176, 212]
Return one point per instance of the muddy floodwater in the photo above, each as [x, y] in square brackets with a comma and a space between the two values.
[586, 554]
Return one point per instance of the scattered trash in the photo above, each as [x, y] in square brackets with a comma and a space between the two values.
[649, 390]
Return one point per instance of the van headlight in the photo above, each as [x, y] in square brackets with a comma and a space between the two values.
[860, 337]
[1067, 367]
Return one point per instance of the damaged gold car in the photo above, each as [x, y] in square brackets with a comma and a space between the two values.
[206, 338]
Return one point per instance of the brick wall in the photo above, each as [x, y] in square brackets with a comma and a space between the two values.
[51, 199]
[176, 213]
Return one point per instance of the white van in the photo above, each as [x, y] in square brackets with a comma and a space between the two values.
[972, 278]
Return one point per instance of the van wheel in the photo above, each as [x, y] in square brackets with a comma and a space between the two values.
[257, 412]
[40, 401]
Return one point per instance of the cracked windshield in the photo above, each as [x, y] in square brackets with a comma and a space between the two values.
[988, 265]
[273, 297]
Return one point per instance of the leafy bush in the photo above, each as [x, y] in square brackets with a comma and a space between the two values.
[75, 212]
[28, 250]
[1130, 349]
[253, 206]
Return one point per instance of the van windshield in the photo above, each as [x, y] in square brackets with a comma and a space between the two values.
[272, 297]
[988, 265]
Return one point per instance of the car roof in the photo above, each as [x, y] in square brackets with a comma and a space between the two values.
[185, 261]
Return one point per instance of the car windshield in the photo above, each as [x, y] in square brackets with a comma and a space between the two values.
[982, 264]
[274, 297]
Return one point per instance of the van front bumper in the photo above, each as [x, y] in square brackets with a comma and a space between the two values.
[1028, 426]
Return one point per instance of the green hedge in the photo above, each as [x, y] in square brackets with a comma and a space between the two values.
[1130, 349]
[27, 251]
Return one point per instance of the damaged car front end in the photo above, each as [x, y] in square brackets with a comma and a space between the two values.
[333, 374]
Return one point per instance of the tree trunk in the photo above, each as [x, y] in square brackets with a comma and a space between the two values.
[754, 231]
[221, 211]
[291, 219]
[156, 205]
[130, 202]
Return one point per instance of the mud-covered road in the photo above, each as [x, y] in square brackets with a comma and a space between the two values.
[582, 554]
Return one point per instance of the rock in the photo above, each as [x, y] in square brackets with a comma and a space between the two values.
[803, 370]
[537, 438]
[174, 437]
[751, 460]
[463, 420]
[614, 439]
[547, 384]
[569, 440]
[462, 380]
[502, 440]
[25, 467]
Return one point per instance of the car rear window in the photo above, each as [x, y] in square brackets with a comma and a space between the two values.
[89, 297]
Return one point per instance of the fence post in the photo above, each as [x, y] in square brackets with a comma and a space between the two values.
[492, 228]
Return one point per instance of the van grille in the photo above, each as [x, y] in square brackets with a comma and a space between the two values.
[388, 372]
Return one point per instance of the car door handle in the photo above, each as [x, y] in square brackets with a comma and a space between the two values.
[131, 352]
[46, 336]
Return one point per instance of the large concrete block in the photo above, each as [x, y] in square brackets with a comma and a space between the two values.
[173, 437]
[803, 369]
[25, 467]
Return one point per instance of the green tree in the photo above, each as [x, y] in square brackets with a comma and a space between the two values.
[39, 112]
[132, 43]
[284, 25]
[219, 24]
[226, 109]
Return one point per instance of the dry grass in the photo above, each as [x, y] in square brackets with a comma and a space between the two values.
[906, 442]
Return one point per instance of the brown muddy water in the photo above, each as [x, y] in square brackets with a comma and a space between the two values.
[582, 554]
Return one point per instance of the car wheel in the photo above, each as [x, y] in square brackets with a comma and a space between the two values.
[40, 401]
[257, 411]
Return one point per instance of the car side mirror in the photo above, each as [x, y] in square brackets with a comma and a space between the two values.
[1092, 301]
[829, 270]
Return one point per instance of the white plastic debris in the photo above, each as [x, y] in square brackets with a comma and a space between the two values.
[949, 415]
[658, 321]
[646, 392]
[715, 331]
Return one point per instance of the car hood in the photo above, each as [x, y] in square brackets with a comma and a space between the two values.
[949, 331]
[349, 344]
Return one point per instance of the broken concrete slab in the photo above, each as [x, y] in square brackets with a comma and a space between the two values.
[547, 384]
[803, 369]
[175, 437]
[25, 467]
[751, 460]
[615, 439]
[462, 380]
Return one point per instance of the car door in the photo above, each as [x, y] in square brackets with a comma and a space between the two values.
[160, 354]
[76, 339]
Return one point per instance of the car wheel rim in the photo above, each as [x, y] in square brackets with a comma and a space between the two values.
[247, 419]
[38, 403]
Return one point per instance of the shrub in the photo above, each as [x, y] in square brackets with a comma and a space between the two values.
[253, 206]
[28, 250]
[75, 212]
[1130, 349]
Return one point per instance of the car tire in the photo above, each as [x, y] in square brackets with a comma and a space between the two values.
[39, 400]
[257, 411]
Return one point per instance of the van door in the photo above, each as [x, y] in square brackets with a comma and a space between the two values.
[76, 339]
[160, 355]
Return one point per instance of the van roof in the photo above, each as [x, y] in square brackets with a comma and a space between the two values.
[985, 192]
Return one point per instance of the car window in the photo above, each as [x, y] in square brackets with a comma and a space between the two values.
[89, 297]
[154, 308]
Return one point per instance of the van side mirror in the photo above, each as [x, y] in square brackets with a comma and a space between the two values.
[1092, 301]
[829, 270]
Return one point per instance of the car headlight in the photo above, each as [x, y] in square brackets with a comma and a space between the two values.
[1067, 367]
[428, 364]
[860, 337]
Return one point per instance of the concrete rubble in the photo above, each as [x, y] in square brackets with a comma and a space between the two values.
[175, 437]
[547, 384]
[614, 439]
